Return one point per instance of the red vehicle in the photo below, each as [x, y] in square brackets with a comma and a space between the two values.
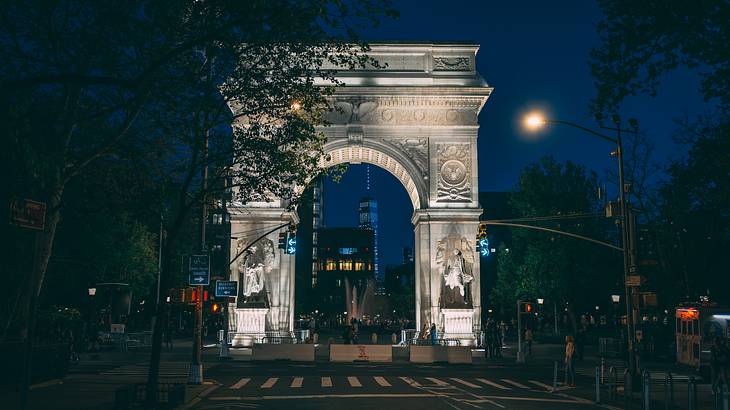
[696, 327]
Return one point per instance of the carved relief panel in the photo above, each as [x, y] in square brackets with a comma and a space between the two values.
[454, 173]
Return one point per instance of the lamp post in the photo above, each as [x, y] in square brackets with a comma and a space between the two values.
[536, 121]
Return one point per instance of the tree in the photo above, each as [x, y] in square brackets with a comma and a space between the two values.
[543, 265]
[101, 73]
[643, 40]
[640, 42]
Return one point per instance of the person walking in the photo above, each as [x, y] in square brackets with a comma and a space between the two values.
[719, 362]
[434, 334]
[569, 361]
[528, 341]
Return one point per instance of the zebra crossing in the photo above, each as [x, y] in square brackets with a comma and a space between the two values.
[264, 384]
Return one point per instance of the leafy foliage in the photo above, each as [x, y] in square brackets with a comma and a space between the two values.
[643, 40]
[545, 265]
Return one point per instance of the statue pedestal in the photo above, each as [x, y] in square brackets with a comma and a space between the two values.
[458, 324]
[250, 326]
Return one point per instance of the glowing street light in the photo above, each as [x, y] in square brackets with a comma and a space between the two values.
[534, 120]
[296, 106]
[540, 301]
[615, 298]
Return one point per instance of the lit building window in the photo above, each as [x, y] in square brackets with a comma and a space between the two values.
[330, 265]
[359, 265]
[346, 264]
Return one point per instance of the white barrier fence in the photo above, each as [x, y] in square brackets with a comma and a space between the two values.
[446, 354]
[361, 353]
[295, 352]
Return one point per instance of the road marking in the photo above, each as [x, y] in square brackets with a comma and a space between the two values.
[437, 381]
[410, 381]
[326, 382]
[514, 383]
[322, 396]
[381, 381]
[543, 385]
[466, 383]
[240, 383]
[297, 382]
[354, 382]
[269, 383]
[493, 384]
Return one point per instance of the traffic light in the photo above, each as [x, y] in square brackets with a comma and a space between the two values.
[483, 240]
[291, 240]
[215, 308]
[282, 240]
[528, 307]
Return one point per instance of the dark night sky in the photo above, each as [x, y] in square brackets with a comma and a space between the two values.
[535, 55]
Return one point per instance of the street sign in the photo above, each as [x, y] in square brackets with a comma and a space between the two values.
[225, 288]
[199, 270]
[633, 280]
[28, 214]
[291, 244]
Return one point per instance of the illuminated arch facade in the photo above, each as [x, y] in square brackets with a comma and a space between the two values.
[417, 119]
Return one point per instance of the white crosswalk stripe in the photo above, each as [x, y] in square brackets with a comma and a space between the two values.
[437, 381]
[493, 384]
[244, 381]
[514, 383]
[410, 381]
[541, 384]
[270, 383]
[381, 381]
[388, 381]
[466, 383]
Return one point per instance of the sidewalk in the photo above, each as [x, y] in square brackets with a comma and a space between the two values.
[545, 355]
[92, 383]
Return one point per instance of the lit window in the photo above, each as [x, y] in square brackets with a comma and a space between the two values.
[359, 265]
[346, 264]
[330, 265]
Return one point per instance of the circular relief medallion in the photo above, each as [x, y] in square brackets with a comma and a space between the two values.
[452, 115]
[419, 115]
[453, 172]
[388, 115]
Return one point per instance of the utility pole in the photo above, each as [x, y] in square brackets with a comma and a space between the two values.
[223, 355]
[626, 244]
[195, 375]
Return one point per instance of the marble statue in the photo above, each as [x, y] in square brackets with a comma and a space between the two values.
[252, 269]
[457, 278]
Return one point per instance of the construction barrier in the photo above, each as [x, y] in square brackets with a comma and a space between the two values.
[295, 352]
[361, 353]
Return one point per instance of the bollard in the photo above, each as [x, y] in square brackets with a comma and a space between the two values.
[393, 339]
[612, 383]
[668, 391]
[315, 338]
[691, 393]
[374, 338]
[598, 385]
[646, 390]
[555, 375]
[628, 388]
[722, 398]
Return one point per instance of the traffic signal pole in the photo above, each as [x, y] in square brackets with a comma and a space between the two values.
[195, 374]
[520, 353]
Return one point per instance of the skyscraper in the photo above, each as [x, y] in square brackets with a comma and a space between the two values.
[368, 213]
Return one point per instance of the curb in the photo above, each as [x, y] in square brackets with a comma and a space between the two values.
[195, 400]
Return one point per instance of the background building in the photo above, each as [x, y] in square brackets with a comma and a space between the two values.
[345, 275]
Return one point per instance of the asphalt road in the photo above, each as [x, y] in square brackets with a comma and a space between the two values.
[277, 385]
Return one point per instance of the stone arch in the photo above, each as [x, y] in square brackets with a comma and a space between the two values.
[389, 159]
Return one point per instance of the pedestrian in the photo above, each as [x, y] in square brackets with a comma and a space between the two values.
[347, 335]
[168, 338]
[496, 342]
[502, 332]
[528, 341]
[434, 334]
[569, 361]
[719, 362]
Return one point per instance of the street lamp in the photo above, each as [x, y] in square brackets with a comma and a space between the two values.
[615, 298]
[540, 301]
[535, 121]
[92, 291]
